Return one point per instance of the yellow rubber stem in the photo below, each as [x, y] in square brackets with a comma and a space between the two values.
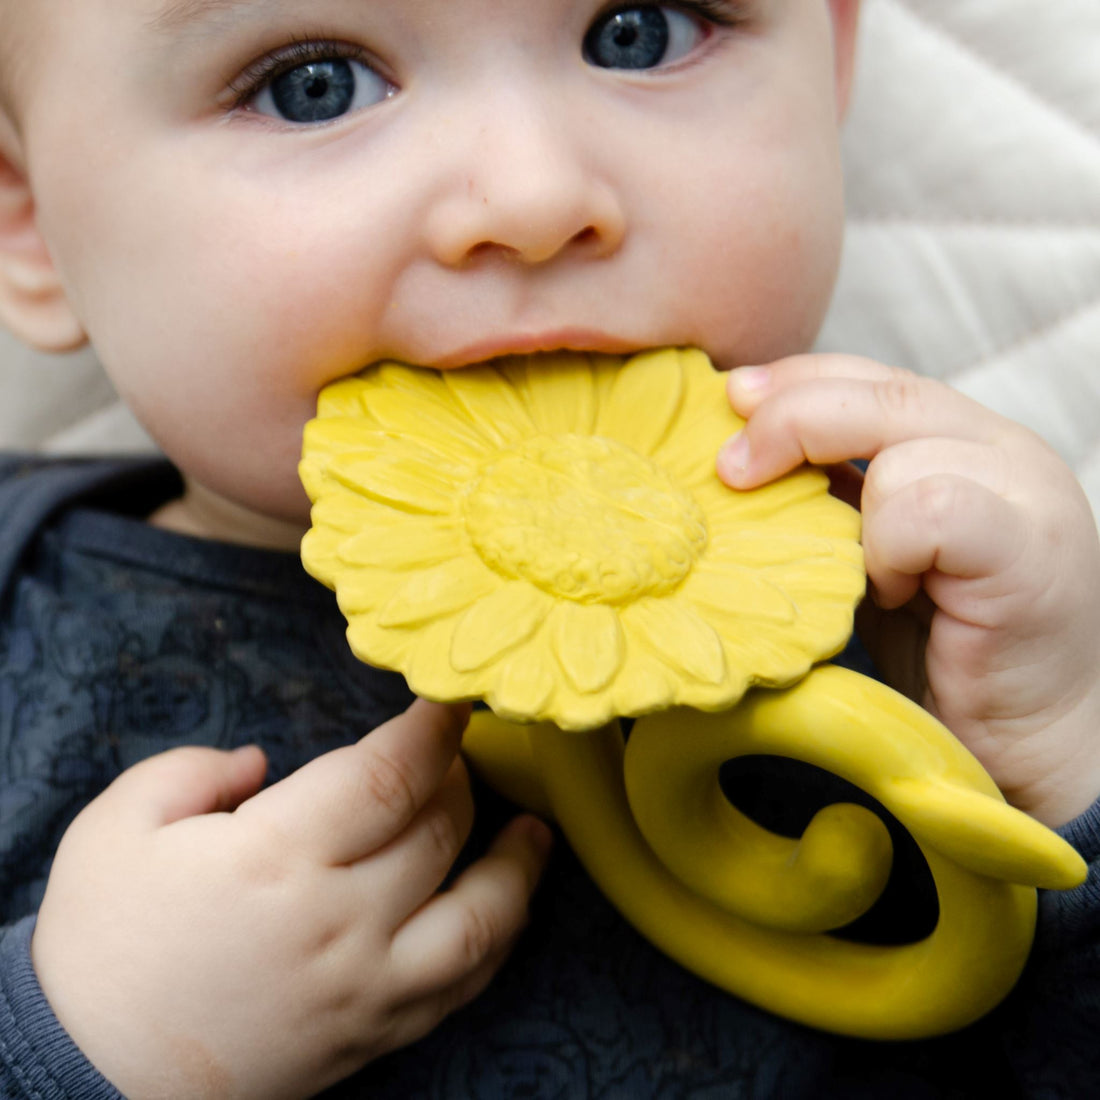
[943, 983]
[979, 851]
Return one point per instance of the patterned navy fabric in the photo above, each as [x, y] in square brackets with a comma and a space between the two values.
[118, 641]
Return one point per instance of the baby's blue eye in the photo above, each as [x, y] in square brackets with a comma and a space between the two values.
[321, 90]
[641, 37]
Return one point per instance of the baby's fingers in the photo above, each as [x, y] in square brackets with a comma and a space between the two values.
[826, 409]
[447, 944]
[348, 803]
[400, 877]
[181, 783]
[417, 1018]
[945, 523]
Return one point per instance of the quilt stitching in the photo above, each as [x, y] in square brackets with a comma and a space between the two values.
[1034, 93]
[1032, 336]
[962, 222]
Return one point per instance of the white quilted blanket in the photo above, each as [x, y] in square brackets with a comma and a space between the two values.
[973, 251]
[973, 254]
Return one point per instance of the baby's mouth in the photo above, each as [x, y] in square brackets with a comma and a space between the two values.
[560, 340]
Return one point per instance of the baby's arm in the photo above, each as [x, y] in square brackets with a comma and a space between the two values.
[982, 555]
[200, 939]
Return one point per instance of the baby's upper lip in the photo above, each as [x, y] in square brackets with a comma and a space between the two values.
[563, 339]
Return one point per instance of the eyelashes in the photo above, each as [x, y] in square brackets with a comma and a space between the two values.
[256, 87]
[297, 54]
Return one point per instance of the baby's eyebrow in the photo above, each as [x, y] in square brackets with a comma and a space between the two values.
[183, 13]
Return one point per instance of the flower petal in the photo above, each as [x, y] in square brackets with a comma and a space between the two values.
[319, 557]
[415, 384]
[411, 545]
[679, 635]
[374, 645]
[824, 629]
[417, 402]
[588, 644]
[438, 591]
[524, 684]
[643, 684]
[361, 590]
[742, 595]
[760, 546]
[429, 672]
[454, 462]
[402, 479]
[343, 434]
[690, 452]
[334, 434]
[644, 401]
[605, 370]
[820, 579]
[345, 510]
[498, 622]
[490, 400]
[575, 711]
[342, 398]
[779, 503]
[768, 658]
[559, 393]
[826, 516]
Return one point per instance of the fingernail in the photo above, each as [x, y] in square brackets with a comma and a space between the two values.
[751, 379]
[733, 459]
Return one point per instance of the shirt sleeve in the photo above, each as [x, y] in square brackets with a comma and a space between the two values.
[1070, 919]
[1053, 1017]
[38, 1059]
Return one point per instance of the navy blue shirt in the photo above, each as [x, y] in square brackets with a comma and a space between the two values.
[119, 640]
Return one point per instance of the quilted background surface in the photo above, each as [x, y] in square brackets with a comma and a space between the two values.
[973, 248]
[973, 251]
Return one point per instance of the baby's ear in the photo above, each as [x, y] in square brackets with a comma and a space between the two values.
[33, 303]
[845, 16]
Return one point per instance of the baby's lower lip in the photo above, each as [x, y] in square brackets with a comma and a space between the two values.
[576, 340]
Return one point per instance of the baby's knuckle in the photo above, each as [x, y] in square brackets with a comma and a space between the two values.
[390, 785]
[327, 940]
[901, 393]
[444, 833]
[937, 500]
[481, 933]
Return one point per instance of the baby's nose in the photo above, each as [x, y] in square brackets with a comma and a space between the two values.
[527, 189]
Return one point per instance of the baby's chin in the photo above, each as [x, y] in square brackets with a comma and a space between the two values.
[277, 522]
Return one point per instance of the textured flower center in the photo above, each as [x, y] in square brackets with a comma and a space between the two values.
[584, 518]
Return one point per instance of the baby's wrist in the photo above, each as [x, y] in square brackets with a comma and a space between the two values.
[1061, 808]
[1068, 753]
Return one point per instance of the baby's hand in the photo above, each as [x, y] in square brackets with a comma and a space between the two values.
[981, 551]
[271, 951]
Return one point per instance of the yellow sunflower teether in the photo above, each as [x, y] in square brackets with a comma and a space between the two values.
[541, 533]
[548, 534]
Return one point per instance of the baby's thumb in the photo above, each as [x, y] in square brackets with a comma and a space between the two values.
[186, 782]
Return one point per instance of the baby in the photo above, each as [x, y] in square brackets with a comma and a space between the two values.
[240, 201]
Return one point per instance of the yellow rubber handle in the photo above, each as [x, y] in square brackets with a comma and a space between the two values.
[720, 897]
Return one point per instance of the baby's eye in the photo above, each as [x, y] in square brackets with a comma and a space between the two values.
[644, 36]
[320, 90]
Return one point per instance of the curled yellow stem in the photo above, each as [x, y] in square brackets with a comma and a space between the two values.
[748, 910]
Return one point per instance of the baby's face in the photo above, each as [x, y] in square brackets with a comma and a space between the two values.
[248, 200]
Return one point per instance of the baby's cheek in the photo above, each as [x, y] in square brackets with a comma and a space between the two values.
[759, 280]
